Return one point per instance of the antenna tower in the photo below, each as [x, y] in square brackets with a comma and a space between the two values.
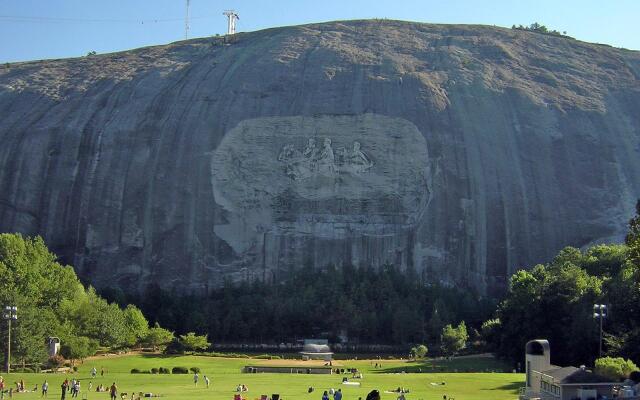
[232, 17]
[186, 22]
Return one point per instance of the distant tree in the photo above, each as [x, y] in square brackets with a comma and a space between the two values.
[158, 336]
[78, 348]
[420, 351]
[136, 325]
[489, 333]
[539, 28]
[193, 342]
[454, 339]
[614, 368]
[91, 53]
[29, 333]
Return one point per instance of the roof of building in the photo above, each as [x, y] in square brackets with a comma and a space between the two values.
[538, 347]
[573, 375]
[583, 376]
[560, 373]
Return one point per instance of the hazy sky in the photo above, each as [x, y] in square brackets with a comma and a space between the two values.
[37, 29]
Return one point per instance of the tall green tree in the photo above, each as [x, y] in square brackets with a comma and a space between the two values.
[193, 342]
[157, 336]
[454, 339]
[78, 348]
[136, 325]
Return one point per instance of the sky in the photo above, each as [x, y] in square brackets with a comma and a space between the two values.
[43, 29]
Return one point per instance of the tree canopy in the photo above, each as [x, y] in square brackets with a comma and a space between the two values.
[454, 339]
[368, 305]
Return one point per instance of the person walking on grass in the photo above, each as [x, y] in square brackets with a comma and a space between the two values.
[114, 391]
[195, 379]
[337, 395]
[64, 387]
[325, 395]
[1, 388]
[45, 389]
[206, 381]
[76, 388]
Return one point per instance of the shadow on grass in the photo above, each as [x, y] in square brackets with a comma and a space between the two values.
[158, 355]
[512, 387]
[463, 365]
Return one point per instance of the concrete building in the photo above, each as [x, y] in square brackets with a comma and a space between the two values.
[545, 381]
[53, 344]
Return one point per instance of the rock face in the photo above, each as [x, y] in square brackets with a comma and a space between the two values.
[464, 152]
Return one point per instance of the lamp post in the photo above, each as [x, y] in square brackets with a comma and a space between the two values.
[10, 314]
[600, 312]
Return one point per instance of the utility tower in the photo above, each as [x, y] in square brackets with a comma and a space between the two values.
[233, 17]
[186, 22]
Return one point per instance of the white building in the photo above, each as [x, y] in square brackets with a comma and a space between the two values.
[316, 349]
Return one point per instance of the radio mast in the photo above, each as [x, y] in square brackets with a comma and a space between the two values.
[232, 17]
[186, 22]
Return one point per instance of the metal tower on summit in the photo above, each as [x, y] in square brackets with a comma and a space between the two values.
[232, 17]
[186, 22]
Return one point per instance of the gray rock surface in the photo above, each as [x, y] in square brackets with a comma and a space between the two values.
[464, 152]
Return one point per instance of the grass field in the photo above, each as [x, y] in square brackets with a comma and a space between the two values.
[225, 375]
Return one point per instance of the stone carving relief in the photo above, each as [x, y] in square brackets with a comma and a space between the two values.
[323, 162]
[329, 176]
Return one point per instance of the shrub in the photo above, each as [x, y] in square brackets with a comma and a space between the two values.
[195, 370]
[155, 370]
[75, 368]
[140, 371]
[163, 370]
[616, 368]
[179, 370]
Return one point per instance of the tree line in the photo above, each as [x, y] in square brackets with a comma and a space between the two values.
[367, 305]
[539, 28]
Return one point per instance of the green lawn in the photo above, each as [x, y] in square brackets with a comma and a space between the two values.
[225, 375]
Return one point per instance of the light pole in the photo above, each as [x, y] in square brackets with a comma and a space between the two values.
[10, 314]
[600, 312]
